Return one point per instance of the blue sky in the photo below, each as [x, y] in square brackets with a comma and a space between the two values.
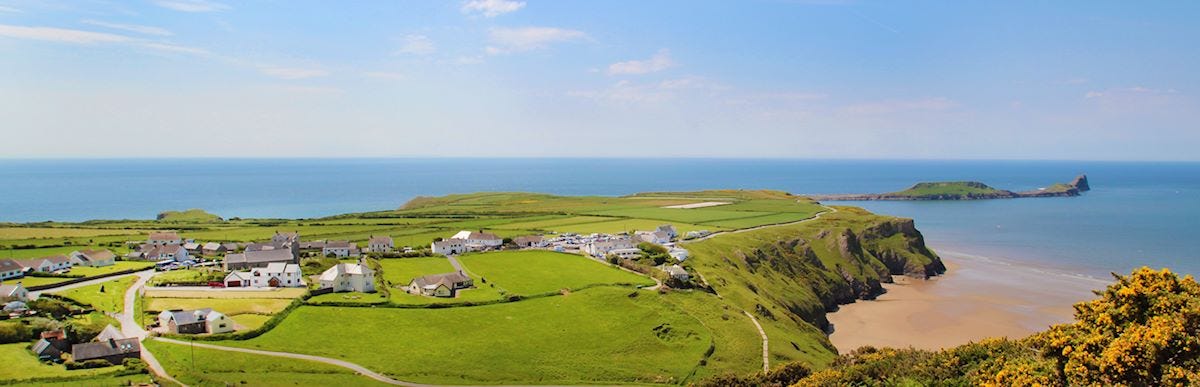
[793, 79]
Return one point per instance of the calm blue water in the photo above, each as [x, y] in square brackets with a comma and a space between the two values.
[1136, 214]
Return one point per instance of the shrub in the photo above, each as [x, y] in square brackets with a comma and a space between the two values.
[94, 363]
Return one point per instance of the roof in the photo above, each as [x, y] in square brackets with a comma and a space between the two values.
[261, 256]
[57, 259]
[344, 268]
[9, 265]
[528, 239]
[445, 278]
[238, 275]
[164, 236]
[380, 240]
[448, 242]
[338, 245]
[212, 246]
[279, 267]
[9, 290]
[43, 346]
[165, 249]
[183, 317]
[97, 350]
[109, 333]
[230, 245]
[191, 245]
[98, 255]
[675, 270]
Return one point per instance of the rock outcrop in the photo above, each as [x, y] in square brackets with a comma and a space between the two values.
[963, 190]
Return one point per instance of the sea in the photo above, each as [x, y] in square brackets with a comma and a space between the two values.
[1137, 213]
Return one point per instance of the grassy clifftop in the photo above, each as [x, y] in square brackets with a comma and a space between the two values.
[194, 215]
[790, 276]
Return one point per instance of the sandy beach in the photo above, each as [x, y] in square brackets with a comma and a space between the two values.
[976, 298]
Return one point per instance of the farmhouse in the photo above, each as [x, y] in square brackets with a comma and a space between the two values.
[213, 248]
[230, 247]
[10, 269]
[477, 241]
[626, 253]
[14, 292]
[195, 321]
[277, 275]
[439, 285]
[601, 248]
[380, 244]
[655, 237]
[349, 277]
[164, 238]
[340, 249]
[45, 265]
[529, 241]
[669, 230]
[449, 247]
[677, 272]
[237, 279]
[678, 253]
[282, 238]
[113, 351]
[168, 252]
[252, 259]
[93, 258]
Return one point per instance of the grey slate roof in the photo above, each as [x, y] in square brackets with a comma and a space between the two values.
[448, 278]
[183, 317]
[268, 256]
[102, 349]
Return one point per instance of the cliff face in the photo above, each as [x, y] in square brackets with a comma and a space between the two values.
[793, 275]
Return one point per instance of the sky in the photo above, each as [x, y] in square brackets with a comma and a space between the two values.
[1078, 80]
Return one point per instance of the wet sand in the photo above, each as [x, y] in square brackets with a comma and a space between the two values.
[977, 298]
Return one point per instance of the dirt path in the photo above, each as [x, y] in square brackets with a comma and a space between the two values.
[761, 332]
[742, 230]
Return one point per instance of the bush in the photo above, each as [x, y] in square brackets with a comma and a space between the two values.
[132, 367]
[94, 363]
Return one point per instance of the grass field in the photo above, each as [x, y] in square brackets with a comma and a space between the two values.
[56, 232]
[110, 300]
[534, 272]
[401, 271]
[600, 335]
[250, 321]
[210, 367]
[20, 364]
[228, 306]
[287, 293]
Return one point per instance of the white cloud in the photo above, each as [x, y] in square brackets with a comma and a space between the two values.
[896, 106]
[416, 45]
[60, 35]
[9, 9]
[506, 40]
[175, 48]
[659, 62]
[384, 75]
[191, 5]
[147, 30]
[292, 72]
[492, 8]
[1127, 92]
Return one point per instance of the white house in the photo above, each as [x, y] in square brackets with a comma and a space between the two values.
[168, 252]
[448, 247]
[340, 249]
[349, 277]
[237, 279]
[478, 240]
[655, 237]
[277, 275]
[164, 238]
[47, 264]
[10, 269]
[195, 321]
[380, 244]
[630, 253]
[603, 247]
[677, 272]
[530, 241]
[213, 248]
[93, 258]
[669, 230]
[282, 238]
[678, 253]
[439, 285]
[14, 292]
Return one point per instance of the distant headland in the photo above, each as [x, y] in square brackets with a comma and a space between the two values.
[965, 190]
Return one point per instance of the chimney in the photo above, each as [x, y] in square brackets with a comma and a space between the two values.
[112, 342]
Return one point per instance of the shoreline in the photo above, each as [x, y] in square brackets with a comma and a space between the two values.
[978, 297]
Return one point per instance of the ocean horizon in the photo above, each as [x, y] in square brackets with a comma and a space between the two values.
[1136, 212]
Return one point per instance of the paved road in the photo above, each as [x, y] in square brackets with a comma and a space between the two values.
[131, 328]
[738, 231]
[454, 262]
[36, 294]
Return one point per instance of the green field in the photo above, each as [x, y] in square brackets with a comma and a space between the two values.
[57, 232]
[227, 306]
[20, 364]
[600, 335]
[112, 299]
[534, 272]
[210, 367]
[399, 272]
[951, 188]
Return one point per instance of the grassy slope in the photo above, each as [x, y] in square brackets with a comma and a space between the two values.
[534, 272]
[194, 215]
[599, 335]
[222, 368]
[110, 300]
[19, 364]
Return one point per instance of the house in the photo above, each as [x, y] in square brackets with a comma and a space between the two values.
[11, 269]
[15, 308]
[14, 292]
[448, 247]
[192, 248]
[277, 275]
[230, 247]
[655, 237]
[340, 249]
[629, 253]
[164, 238]
[195, 321]
[669, 230]
[601, 248]
[530, 241]
[93, 258]
[252, 259]
[440, 285]
[284, 238]
[237, 279]
[51, 346]
[380, 244]
[45, 265]
[113, 351]
[677, 273]
[312, 246]
[678, 253]
[213, 248]
[476, 241]
[167, 252]
[349, 277]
